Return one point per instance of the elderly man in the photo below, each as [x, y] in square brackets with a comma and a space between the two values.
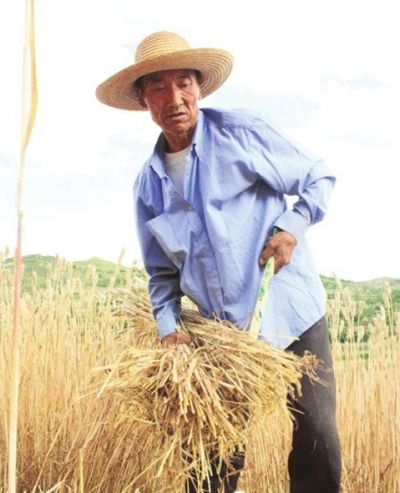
[207, 203]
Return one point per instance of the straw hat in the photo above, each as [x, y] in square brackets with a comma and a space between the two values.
[165, 51]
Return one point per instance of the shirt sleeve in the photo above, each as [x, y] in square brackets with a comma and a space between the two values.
[164, 290]
[290, 170]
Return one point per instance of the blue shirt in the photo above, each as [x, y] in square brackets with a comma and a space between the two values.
[206, 243]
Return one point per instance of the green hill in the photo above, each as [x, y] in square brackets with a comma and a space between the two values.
[44, 267]
[371, 292]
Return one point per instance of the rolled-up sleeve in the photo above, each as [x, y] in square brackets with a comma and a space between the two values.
[290, 170]
[164, 289]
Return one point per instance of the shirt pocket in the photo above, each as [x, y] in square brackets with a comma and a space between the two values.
[178, 234]
[163, 231]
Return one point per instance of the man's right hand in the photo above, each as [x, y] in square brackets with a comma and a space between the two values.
[175, 338]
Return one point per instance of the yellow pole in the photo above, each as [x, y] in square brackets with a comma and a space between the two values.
[268, 273]
[29, 106]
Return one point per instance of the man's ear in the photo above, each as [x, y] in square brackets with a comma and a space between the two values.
[140, 97]
[199, 78]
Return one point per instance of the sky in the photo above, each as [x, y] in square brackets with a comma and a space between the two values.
[326, 72]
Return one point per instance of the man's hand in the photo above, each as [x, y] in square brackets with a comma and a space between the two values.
[279, 246]
[175, 338]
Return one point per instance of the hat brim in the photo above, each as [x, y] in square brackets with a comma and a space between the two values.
[214, 66]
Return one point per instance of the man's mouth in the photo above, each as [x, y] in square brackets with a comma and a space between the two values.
[178, 114]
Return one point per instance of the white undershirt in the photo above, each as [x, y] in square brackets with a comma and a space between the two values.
[176, 167]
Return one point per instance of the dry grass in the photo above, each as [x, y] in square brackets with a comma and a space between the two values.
[69, 441]
[193, 400]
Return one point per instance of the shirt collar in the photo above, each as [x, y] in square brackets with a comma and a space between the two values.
[198, 136]
[157, 158]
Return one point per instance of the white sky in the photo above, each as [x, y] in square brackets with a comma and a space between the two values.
[326, 71]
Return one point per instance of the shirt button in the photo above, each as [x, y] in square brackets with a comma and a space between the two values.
[189, 208]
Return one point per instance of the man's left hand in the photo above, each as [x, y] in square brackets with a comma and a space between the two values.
[279, 246]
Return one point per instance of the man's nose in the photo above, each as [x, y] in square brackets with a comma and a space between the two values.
[174, 96]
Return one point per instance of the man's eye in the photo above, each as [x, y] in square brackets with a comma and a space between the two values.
[184, 83]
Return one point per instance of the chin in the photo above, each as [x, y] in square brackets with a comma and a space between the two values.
[179, 129]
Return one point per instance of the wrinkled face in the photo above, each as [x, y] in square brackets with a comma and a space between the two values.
[172, 98]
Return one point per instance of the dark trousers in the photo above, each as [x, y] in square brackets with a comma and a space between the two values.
[314, 461]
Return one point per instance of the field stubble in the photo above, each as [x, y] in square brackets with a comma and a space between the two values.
[70, 441]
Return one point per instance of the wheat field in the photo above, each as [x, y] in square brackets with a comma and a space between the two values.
[69, 440]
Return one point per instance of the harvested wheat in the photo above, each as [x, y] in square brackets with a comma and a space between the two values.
[189, 401]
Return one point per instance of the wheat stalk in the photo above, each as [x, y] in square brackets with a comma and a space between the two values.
[29, 105]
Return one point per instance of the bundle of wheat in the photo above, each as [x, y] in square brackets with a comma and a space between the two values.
[191, 402]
